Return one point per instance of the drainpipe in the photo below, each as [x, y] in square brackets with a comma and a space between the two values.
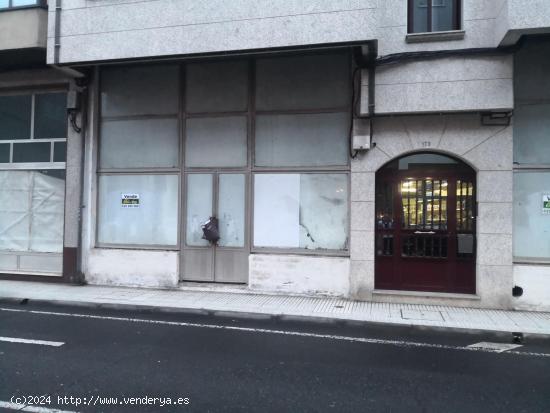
[57, 27]
[364, 59]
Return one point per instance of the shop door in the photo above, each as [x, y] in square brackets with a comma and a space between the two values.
[222, 195]
[425, 225]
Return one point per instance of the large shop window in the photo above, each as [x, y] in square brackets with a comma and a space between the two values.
[532, 215]
[301, 127]
[139, 156]
[301, 211]
[269, 122]
[33, 131]
[532, 153]
[532, 182]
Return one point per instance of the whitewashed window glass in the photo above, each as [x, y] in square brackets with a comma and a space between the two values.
[532, 152]
[139, 138]
[307, 211]
[301, 129]
[153, 221]
[216, 142]
[531, 221]
[199, 207]
[231, 209]
[216, 87]
[216, 104]
[33, 142]
[302, 139]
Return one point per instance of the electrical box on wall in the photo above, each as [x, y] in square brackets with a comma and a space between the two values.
[361, 142]
[361, 139]
[73, 100]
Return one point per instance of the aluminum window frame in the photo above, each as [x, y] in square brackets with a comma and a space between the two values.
[10, 165]
[530, 168]
[36, 166]
[457, 17]
[525, 168]
[125, 171]
[249, 170]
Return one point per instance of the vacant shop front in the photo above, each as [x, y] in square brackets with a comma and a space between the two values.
[259, 143]
[33, 144]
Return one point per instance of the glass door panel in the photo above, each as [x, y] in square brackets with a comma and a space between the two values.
[199, 207]
[222, 195]
[231, 210]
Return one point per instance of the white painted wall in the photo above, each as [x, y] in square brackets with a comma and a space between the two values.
[133, 268]
[535, 281]
[299, 274]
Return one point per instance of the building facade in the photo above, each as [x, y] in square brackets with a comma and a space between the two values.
[376, 150]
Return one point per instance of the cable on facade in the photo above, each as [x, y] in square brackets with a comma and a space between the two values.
[438, 54]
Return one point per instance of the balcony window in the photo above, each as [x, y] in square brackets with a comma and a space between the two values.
[434, 15]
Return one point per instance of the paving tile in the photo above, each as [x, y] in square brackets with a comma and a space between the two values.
[338, 308]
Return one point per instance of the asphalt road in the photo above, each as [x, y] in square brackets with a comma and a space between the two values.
[221, 364]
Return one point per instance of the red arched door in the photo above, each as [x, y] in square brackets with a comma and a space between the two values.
[426, 225]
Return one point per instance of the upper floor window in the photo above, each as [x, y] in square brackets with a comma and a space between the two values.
[8, 4]
[434, 15]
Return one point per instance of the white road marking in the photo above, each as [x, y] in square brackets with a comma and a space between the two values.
[496, 347]
[36, 409]
[396, 343]
[27, 341]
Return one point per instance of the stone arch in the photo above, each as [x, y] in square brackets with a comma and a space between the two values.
[488, 150]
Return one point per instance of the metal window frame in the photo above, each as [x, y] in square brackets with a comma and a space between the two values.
[457, 16]
[249, 170]
[525, 168]
[10, 165]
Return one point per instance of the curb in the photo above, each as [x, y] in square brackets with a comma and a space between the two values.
[251, 315]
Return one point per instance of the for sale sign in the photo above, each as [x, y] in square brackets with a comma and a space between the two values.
[129, 200]
[546, 204]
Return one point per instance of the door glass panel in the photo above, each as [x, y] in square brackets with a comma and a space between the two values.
[231, 206]
[424, 204]
[464, 205]
[424, 246]
[199, 207]
[384, 206]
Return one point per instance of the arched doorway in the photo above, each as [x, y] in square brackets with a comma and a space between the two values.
[426, 225]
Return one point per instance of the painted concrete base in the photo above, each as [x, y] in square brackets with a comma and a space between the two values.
[299, 274]
[139, 268]
[535, 281]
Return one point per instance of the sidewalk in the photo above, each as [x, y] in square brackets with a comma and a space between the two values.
[299, 307]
